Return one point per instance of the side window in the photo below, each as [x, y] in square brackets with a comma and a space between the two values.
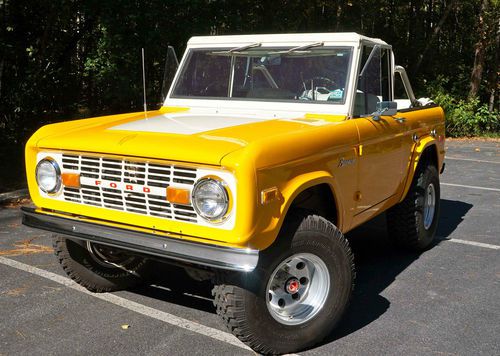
[400, 95]
[374, 84]
[385, 62]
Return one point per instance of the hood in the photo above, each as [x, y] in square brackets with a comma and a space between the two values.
[181, 135]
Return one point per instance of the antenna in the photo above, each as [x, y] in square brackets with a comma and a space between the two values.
[144, 83]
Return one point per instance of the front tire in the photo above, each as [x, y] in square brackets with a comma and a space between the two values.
[412, 223]
[97, 267]
[296, 295]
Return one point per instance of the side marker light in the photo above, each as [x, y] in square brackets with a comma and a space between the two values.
[269, 195]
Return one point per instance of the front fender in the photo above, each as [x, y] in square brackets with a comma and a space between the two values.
[418, 149]
[272, 216]
[308, 180]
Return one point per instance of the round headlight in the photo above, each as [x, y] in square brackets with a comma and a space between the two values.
[48, 175]
[210, 199]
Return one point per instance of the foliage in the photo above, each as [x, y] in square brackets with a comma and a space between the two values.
[470, 118]
[464, 117]
[64, 59]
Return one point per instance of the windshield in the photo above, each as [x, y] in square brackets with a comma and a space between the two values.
[317, 74]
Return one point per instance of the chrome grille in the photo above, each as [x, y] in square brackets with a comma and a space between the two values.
[151, 176]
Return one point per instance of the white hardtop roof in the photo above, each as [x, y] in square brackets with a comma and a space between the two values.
[329, 38]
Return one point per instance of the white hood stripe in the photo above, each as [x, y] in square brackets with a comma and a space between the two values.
[187, 124]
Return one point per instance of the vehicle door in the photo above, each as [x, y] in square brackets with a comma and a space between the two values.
[420, 118]
[380, 152]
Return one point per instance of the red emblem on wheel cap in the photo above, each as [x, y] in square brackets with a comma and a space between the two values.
[292, 286]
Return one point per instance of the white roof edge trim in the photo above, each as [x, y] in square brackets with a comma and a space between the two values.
[330, 37]
[269, 107]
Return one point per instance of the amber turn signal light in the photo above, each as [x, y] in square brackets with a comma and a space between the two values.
[178, 196]
[269, 195]
[71, 180]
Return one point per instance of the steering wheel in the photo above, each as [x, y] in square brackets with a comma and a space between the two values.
[318, 82]
[305, 92]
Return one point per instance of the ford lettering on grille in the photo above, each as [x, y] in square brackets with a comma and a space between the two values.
[126, 187]
[132, 186]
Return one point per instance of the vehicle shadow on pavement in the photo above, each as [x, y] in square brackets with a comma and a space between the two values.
[378, 263]
[452, 214]
[171, 284]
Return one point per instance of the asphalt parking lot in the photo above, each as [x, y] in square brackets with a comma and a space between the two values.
[445, 301]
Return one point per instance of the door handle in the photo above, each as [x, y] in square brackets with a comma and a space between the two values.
[401, 120]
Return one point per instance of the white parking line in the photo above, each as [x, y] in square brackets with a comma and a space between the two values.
[130, 305]
[470, 187]
[474, 243]
[470, 159]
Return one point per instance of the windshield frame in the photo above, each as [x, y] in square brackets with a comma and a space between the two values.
[270, 49]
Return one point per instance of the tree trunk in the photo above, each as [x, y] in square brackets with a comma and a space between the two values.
[436, 32]
[494, 85]
[1, 74]
[479, 51]
[338, 16]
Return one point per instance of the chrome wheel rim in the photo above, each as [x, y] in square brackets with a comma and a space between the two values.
[297, 289]
[429, 206]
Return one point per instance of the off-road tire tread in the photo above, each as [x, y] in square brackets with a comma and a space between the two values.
[402, 219]
[229, 299]
[67, 263]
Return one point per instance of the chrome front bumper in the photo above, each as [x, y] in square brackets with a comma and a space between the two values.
[235, 259]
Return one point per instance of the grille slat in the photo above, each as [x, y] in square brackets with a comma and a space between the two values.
[73, 195]
[183, 213]
[137, 187]
[158, 178]
[133, 205]
[159, 185]
[158, 203]
[159, 209]
[91, 192]
[184, 181]
[113, 202]
[109, 195]
[88, 175]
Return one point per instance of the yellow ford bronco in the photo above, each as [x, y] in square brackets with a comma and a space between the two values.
[266, 151]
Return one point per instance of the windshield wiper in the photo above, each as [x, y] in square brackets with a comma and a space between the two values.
[239, 49]
[298, 49]
[303, 48]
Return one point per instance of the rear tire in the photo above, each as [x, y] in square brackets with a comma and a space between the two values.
[310, 277]
[412, 223]
[86, 264]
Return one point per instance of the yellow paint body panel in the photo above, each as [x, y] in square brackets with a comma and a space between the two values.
[289, 154]
[389, 165]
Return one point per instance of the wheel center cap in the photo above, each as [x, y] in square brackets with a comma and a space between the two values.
[292, 285]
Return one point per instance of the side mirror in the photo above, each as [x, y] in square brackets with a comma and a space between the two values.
[385, 108]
